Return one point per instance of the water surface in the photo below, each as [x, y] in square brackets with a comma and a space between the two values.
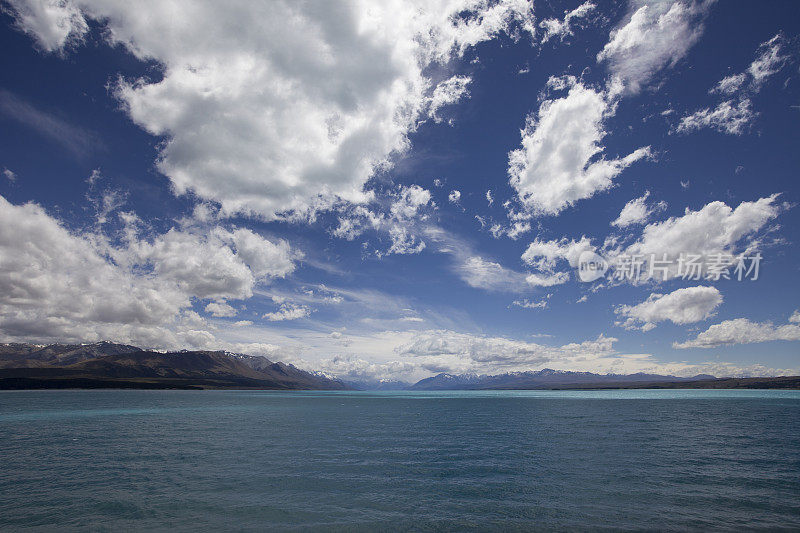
[512, 460]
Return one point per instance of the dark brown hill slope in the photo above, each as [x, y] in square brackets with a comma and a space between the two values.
[105, 365]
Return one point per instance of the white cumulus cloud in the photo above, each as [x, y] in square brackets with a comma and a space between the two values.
[220, 309]
[561, 159]
[282, 108]
[682, 306]
[714, 230]
[288, 311]
[742, 331]
[544, 255]
[54, 24]
[61, 285]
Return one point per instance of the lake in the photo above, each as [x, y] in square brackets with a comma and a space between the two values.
[419, 461]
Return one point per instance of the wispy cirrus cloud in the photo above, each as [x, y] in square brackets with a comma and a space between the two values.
[76, 140]
[653, 37]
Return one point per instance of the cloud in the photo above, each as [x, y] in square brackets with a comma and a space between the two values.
[354, 368]
[682, 306]
[399, 217]
[411, 354]
[106, 203]
[54, 24]
[9, 175]
[56, 285]
[484, 274]
[770, 60]
[716, 229]
[280, 109]
[528, 304]
[547, 280]
[211, 271]
[563, 28]
[218, 265]
[288, 311]
[473, 267]
[404, 242]
[637, 212]
[730, 84]
[734, 115]
[655, 36]
[742, 331]
[409, 201]
[454, 197]
[545, 255]
[513, 231]
[688, 245]
[453, 351]
[446, 93]
[61, 285]
[456, 352]
[264, 257]
[220, 309]
[76, 140]
[727, 117]
[560, 161]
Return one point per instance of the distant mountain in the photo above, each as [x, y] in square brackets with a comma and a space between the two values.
[450, 382]
[17, 355]
[283, 372]
[108, 365]
[542, 379]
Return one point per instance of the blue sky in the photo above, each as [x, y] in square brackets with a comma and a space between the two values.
[311, 183]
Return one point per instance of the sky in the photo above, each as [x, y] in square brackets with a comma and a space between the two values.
[389, 190]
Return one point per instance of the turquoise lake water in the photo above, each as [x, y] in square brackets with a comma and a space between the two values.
[509, 460]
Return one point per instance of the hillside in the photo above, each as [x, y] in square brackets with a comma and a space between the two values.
[108, 365]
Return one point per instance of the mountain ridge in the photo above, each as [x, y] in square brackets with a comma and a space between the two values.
[111, 365]
[549, 379]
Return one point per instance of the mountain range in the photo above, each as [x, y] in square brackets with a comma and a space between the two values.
[542, 379]
[110, 365]
[549, 379]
